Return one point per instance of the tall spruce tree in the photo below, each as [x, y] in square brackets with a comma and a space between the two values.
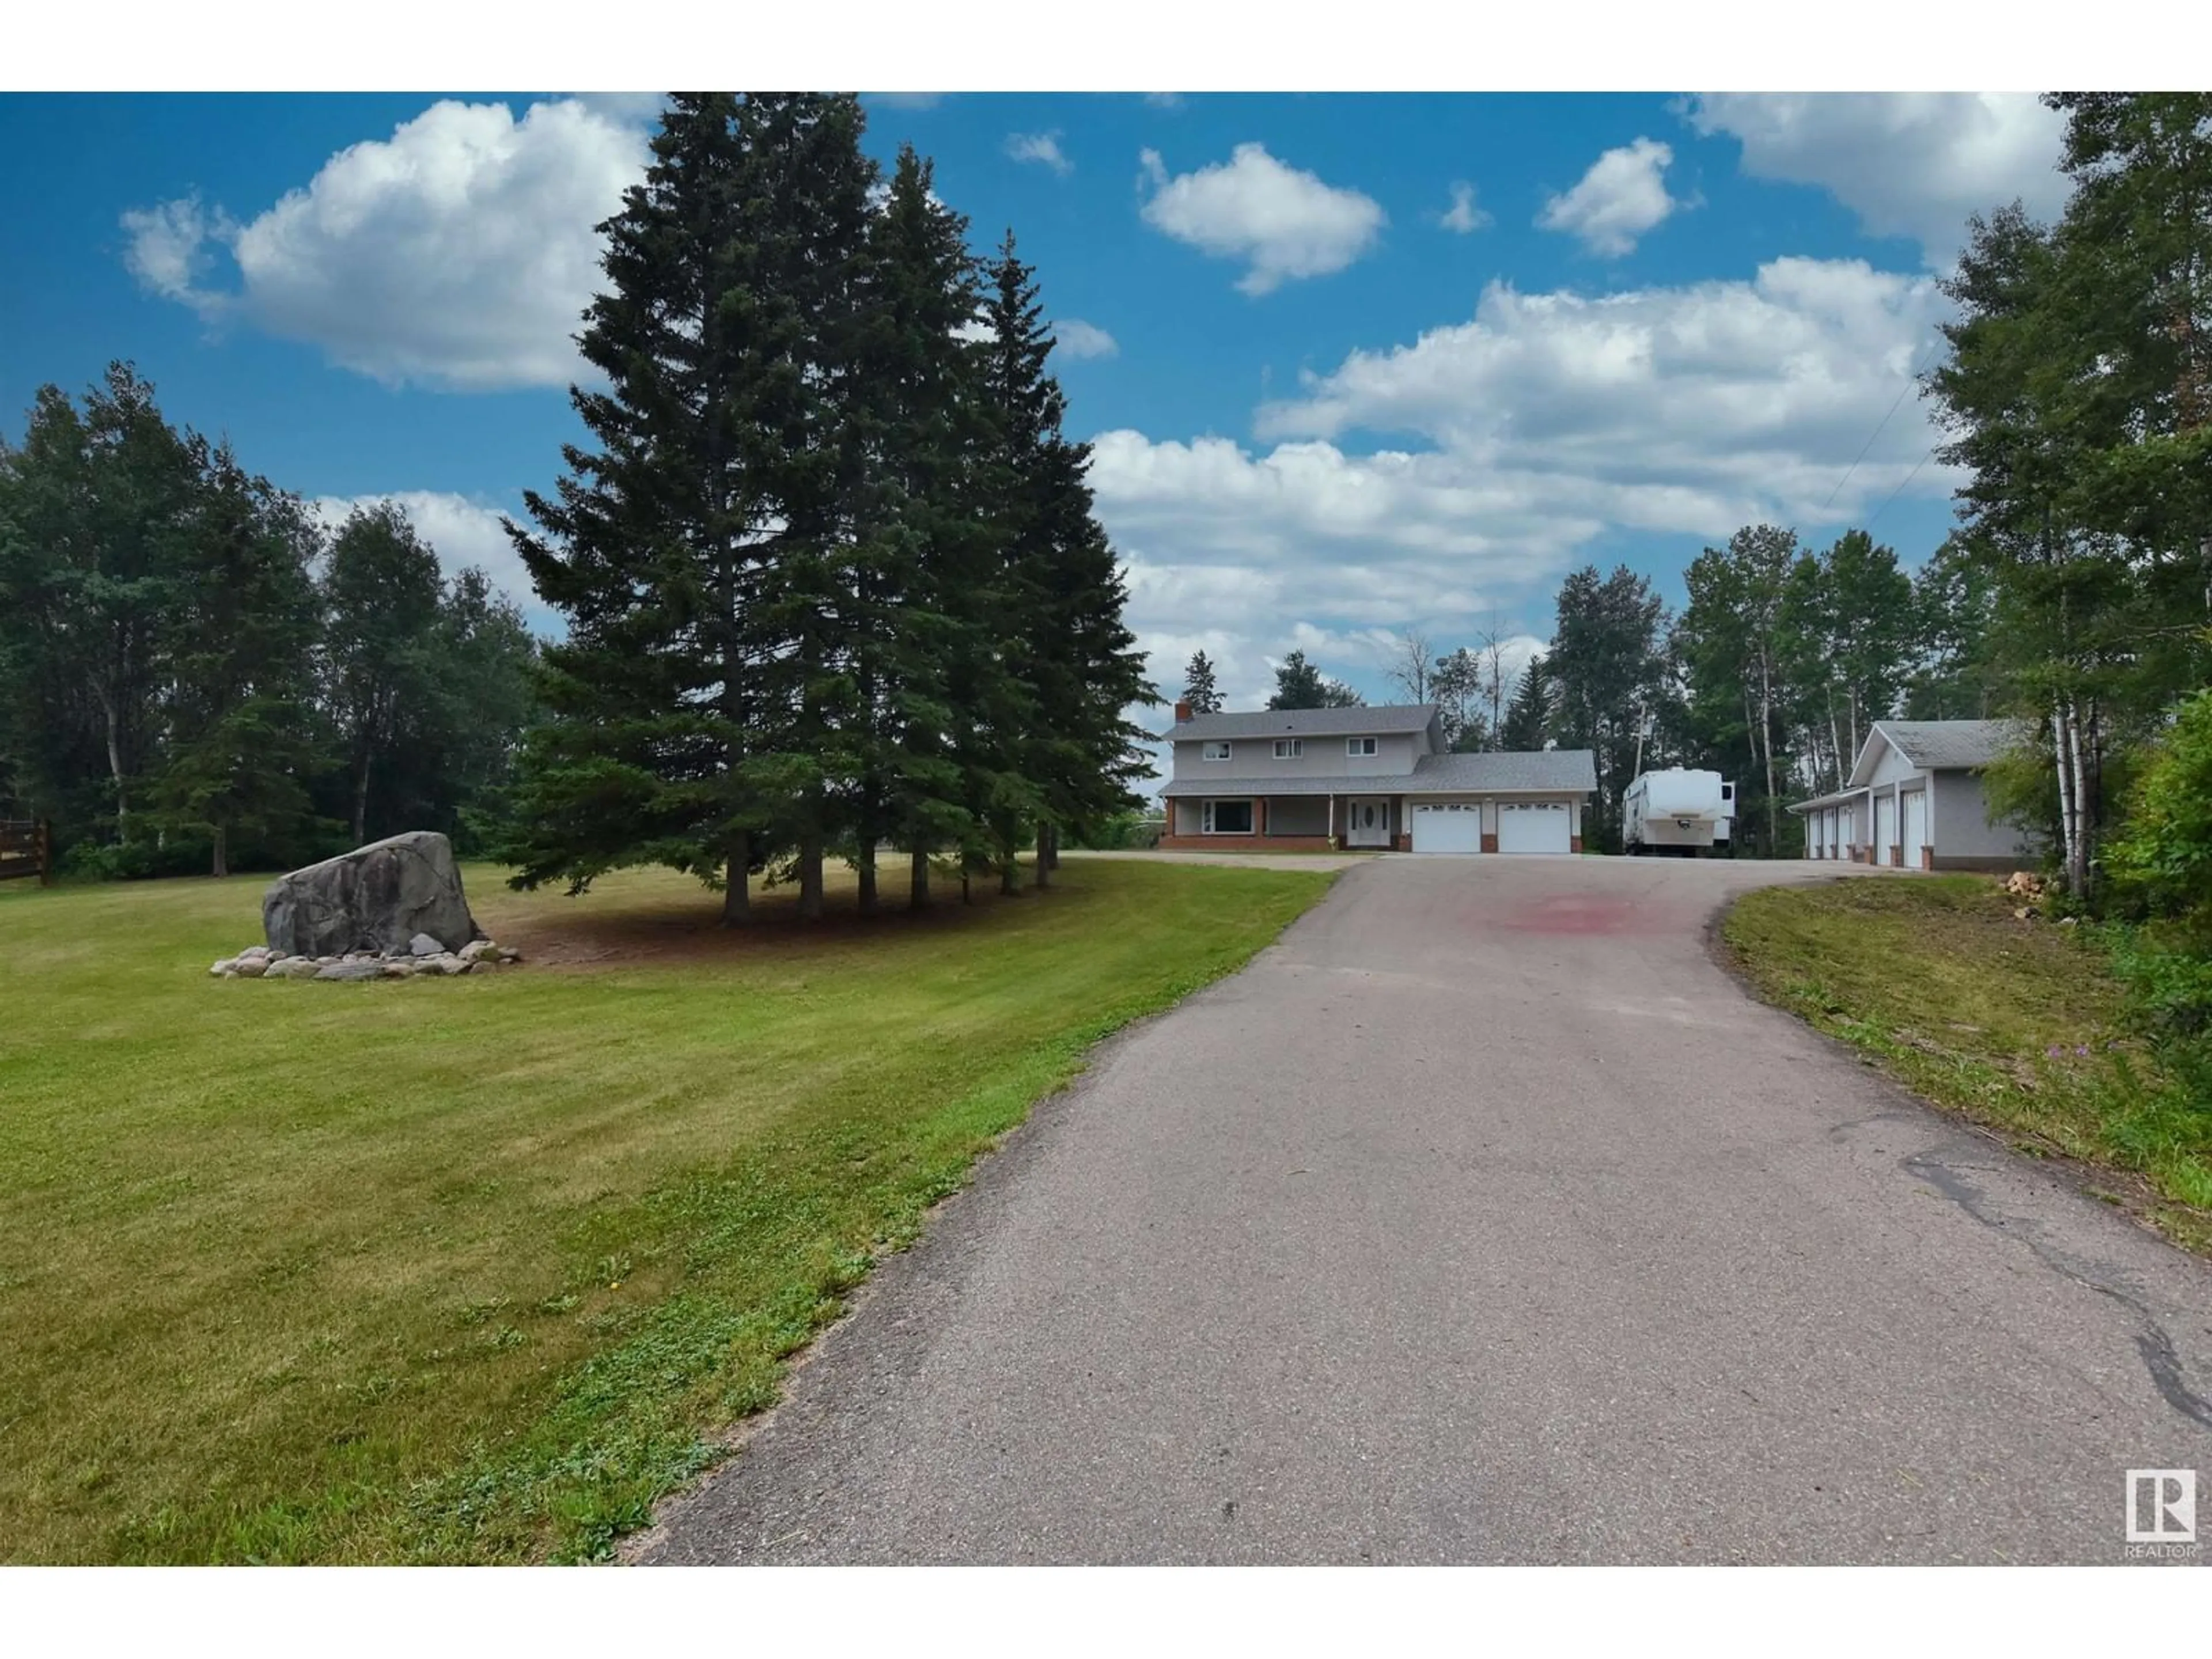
[1300, 684]
[1075, 660]
[700, 550]
[1529, 714]
[1199, 689]
[922, 649]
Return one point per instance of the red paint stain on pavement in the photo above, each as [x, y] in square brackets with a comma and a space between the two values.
[1578, 913]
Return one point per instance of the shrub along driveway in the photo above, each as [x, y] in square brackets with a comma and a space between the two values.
[1485, 1219]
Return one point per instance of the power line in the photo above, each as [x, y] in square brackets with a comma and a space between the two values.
[1899, 490]
[1910, 379]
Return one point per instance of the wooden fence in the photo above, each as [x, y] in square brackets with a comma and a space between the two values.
[26, 848]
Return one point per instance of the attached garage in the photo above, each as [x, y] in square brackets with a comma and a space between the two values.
[1447, 826]
[1534, 826]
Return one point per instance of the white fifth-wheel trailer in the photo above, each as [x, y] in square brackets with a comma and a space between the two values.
[1678, 812]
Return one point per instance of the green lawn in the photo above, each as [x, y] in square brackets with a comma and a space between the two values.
[474, 1269]
[2013, 1023]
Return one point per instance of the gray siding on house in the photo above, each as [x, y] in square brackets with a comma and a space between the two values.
[1962, 825]
[1891, 767]
[1324, 757]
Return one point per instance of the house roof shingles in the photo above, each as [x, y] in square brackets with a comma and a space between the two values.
[1387, 720]
[1935, 744]
[1553, 771]
[1567, 770]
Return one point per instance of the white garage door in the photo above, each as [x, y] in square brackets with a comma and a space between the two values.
[1885, 828]
[1916, 826]
[1447, 827]
[1534, 827]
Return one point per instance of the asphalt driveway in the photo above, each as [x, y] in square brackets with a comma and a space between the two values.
[1484, 1219]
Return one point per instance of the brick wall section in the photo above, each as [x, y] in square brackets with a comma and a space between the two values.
[1574, 843]
[1490, 843]
[1245, 843]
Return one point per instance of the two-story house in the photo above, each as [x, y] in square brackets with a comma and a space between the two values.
[1292, 780]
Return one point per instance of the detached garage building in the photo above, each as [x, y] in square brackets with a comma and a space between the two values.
[1289, 779]
[1915, 800]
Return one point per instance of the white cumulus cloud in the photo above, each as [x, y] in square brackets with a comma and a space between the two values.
[1284, 223]
[169, 250]
[1463, 215]
[1623, 196]
[1515, 441]
[1042, 148]
[1908, 163]
[460, 252]
[1691, 409]
[1080, 339]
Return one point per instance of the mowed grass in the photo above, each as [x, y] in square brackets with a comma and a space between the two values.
[475, 1269]
[2015, 1024]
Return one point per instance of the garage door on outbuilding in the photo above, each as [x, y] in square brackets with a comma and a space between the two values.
[1534, 826]
[1447, 826]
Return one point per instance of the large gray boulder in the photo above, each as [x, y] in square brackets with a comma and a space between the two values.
[376, 898]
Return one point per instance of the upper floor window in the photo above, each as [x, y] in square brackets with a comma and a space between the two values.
[1290, 748]
[1214, 751]
[1359, 745]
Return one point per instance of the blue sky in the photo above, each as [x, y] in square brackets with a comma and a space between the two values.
[1355, 364]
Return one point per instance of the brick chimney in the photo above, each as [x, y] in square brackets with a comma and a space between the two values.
[1182, 712]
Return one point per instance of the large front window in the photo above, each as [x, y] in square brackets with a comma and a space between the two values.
[1214, 751]
[1228, 817]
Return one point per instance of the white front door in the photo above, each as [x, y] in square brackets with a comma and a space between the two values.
[1446, 827]
[1535, 826]
[1367, 821]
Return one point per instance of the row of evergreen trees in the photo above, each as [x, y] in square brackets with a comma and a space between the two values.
[195, 674]
[830, 568]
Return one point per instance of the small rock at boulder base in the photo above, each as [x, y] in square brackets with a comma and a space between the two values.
[376, 898]
[296, 967]
[251, 966]
[453, 966]
[423, 945]
[476, 949]
[351, 970]
[223, 970]
[400, 968]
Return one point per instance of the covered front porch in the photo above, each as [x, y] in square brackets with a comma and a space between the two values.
[1285, 823]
